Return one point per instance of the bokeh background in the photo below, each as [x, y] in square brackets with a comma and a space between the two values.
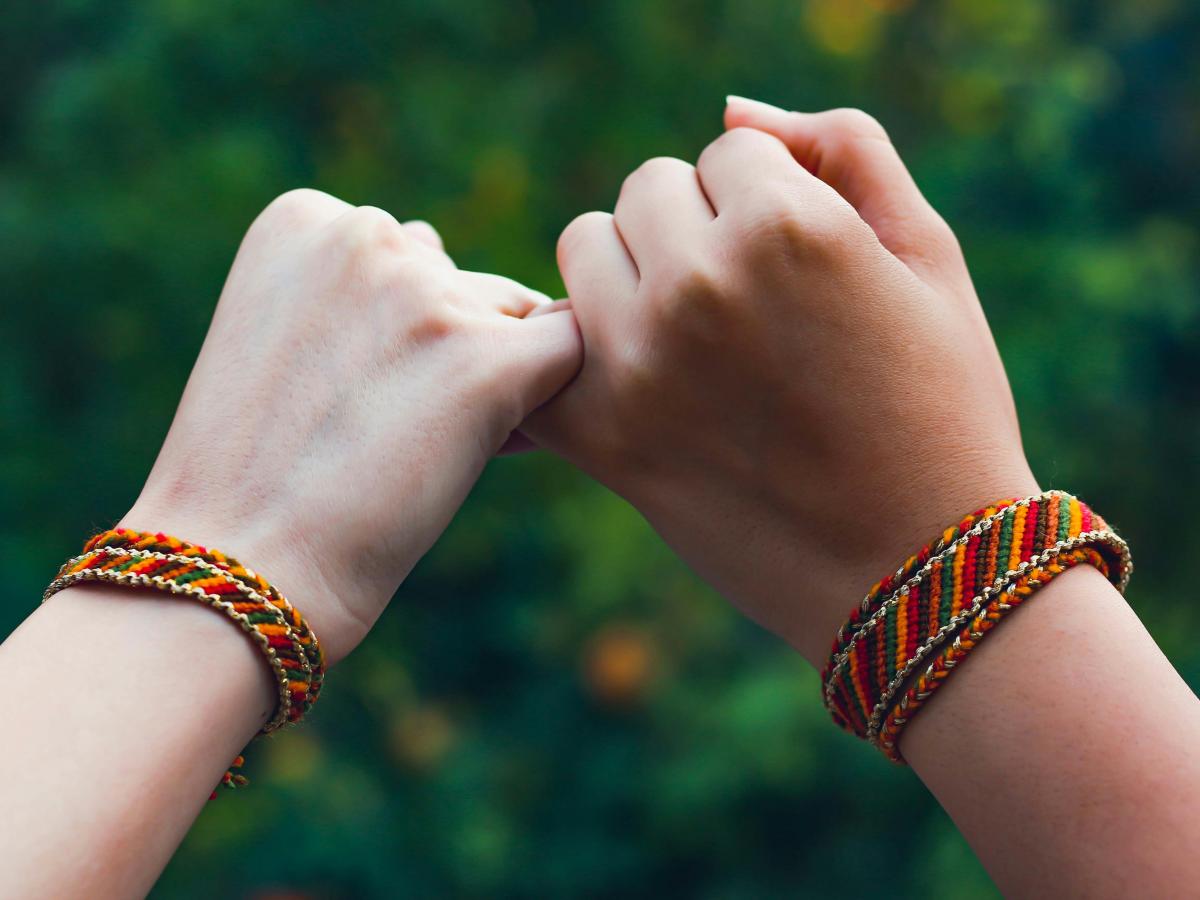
[554, 706]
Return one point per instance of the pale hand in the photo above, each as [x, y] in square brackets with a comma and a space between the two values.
[352, 387]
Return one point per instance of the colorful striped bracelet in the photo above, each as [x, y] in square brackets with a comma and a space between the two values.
[953, 653]
[155, 560]
[938, 602]
[881, 590]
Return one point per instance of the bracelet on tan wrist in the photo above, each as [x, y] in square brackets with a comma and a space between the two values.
[943, 600]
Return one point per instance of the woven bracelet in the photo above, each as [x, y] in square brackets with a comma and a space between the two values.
[881, 590]
[937, 595]
[953, 653]
[181, 569]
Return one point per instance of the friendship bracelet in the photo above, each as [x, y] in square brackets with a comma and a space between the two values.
[953, 653]
[157, 561]
[881, 590]
[191, 577]
[1102, 538]
[931, 600]
[256, 588]
[889, 592]
[879, 647]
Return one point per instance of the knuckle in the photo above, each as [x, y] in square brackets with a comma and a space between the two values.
[857, 124]
[369, 229]
[299, 206]
[700, 284]
[742, 141]
[776, 217]
[941, 232]
[370, 245]
[437, 321]
[694, 287]
[827, 234]
[655, 169]
[365, 249]
[425, 304]
[579, 230]
[635, 367]
[419, 326]
[691, 307]
[743, 146]
[298, 200]
[666, 165]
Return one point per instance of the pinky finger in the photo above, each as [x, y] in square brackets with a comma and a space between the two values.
[504, 295]
[543, 309]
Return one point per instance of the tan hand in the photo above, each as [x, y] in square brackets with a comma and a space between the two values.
[789, 375]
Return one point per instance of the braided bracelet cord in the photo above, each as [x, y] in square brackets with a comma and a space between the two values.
[1103, 540]
[137, 559]
[881, 590]
[306, 651]
[884, 592]
[956, 651]
[947, 590]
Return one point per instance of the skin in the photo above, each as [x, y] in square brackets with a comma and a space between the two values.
[381, 380]
[352, 386]
[789, 393]
[787, 370]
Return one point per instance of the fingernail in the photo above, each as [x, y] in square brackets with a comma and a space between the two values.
[735, 100]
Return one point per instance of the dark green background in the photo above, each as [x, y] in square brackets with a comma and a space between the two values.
[553, 706]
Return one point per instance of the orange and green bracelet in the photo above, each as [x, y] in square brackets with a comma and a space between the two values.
[971, 634]
[181, 569]
[940, 603]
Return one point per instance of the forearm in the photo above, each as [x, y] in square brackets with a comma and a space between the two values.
[121, 711]
[384, 378]
[1064, 748]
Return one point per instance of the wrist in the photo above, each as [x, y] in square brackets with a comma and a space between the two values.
[1045, 745]
[897, 528]
[120, 707]
[275, 549]
[906, 637]
[159, 634]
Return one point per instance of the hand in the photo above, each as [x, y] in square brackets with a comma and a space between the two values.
[351, 388]
[787, 369]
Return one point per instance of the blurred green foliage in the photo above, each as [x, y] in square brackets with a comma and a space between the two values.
[553, 706]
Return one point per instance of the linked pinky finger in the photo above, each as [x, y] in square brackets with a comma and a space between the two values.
[601, 276]
[495, 293]
[543, 309]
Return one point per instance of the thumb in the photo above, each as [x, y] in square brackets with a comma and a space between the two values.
[850, 151]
